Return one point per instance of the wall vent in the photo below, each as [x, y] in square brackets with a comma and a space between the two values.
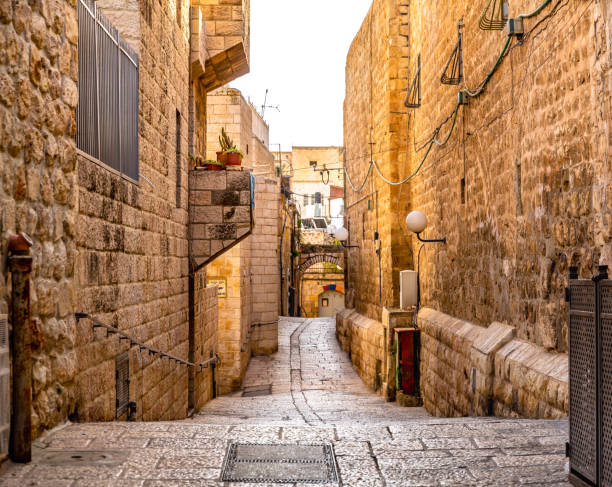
[4, 331]
[122, 383]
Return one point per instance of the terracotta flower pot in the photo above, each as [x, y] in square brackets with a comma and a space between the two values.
[222, 157]
[214, 167]
[234, 159]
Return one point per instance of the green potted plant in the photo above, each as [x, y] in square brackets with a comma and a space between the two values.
[226, 143]
[233, 156]
[214, 165]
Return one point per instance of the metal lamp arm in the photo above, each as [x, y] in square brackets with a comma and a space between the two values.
[441, 240]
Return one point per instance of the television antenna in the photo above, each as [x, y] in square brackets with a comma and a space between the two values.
[264, 106]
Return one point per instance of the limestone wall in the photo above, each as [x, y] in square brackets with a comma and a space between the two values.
[132, 263]
[467, 369]
[312, 285]
[374, 125]
[206, 318]
[38, 191]
[265, 269]
[534, 152]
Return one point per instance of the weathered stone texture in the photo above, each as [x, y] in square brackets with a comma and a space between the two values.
[132, 239]
[467, 369]
[205, 339]
[533, 154]
[38, 72]
[533, 150]
[252, 275]
[220, 213]
[373, 124]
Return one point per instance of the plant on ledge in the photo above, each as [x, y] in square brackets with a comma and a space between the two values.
[230, 154]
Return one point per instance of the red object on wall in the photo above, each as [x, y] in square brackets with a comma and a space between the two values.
[408, 343]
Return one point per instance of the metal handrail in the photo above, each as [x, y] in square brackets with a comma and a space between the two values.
[152, 351]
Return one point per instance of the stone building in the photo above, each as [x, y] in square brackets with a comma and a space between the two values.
[248, 272]
[517, 179]
[99, 180]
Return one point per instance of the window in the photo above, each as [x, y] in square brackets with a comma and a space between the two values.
[325, 302]
[107, 113]
[317, 197]
[305, 200]
[317, 210]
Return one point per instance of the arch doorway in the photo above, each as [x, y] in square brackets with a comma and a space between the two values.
[314, 281]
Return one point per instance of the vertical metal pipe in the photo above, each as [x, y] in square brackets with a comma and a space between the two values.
[20, 265]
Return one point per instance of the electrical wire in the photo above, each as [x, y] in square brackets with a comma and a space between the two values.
[433, 140]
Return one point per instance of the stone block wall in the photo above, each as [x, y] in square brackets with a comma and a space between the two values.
[364, 339]
[375, 127]
[228, 30]
[132, 263]
[220, 212]
[467, 369]
[206, 318]
[371, 345]
[264, 263]
[312, 285]
[227, 109]
[533, 151]
[38, 191]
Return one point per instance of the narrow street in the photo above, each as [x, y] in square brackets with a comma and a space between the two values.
[307, 393]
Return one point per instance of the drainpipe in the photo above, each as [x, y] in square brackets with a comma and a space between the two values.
[20, 265]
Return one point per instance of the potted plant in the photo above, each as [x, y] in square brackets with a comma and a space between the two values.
[226, 143]
[214, 165]
[233, 156]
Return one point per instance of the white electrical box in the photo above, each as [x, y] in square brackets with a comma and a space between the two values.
[408, 289]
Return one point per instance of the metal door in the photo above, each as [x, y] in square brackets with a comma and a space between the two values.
[605, 383]
[408, 345]
[583, 379]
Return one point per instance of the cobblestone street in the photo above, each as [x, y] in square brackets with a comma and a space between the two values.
[306, 393]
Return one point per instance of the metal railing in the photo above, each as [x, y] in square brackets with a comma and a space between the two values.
[111, 330]
[107, 112]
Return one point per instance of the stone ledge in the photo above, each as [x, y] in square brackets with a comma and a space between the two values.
[467, 369]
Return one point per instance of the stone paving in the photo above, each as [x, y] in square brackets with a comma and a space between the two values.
[306, 393]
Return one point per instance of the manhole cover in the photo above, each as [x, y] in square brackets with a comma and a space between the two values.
[257, 391]
[310, 464]
[82, 457]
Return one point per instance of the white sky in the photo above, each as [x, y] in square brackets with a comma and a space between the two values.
[298, 52]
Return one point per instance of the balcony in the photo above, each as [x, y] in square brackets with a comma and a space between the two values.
[220, 40]
[220, 213]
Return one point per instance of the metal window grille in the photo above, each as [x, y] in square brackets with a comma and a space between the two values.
[122, 383]
[5, 396]
[107, 113]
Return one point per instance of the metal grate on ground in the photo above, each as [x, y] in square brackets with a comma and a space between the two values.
[280, 463]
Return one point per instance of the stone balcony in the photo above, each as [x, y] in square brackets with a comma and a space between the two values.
[220, 40]
[220, 213]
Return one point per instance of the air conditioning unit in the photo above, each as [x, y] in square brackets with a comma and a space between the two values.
[408, 289]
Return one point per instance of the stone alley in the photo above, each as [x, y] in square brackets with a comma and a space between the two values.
[306, 393]
[353, 243]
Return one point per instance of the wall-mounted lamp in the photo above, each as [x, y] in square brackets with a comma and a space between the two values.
[416, 221]
[342, 235]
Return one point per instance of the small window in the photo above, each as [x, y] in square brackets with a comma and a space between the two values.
[317, 197]
[305, 200]
[325, 302]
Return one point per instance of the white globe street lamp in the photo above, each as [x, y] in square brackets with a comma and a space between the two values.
[416, 221]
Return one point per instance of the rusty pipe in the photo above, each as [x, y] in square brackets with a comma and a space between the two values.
[20, 265]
